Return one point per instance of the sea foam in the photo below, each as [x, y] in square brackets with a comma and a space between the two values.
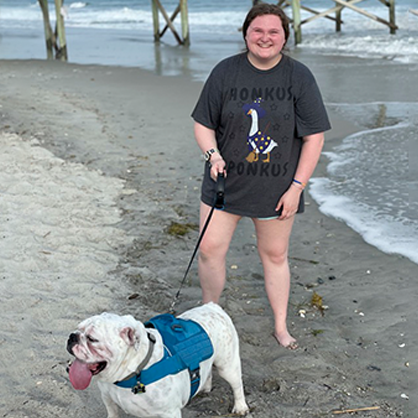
[369, 185]
[383, 232]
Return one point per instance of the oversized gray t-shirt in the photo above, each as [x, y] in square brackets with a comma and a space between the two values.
[259, 118]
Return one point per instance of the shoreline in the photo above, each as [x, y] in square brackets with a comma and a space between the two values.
[105, 119]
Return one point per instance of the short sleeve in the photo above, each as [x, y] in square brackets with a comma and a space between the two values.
[310, 113]
[209, 106]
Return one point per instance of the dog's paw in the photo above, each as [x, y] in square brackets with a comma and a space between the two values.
[241, 409]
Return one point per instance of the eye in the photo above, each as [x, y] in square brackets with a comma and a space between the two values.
[91, 339]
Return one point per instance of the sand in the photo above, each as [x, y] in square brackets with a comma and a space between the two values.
[96, 164]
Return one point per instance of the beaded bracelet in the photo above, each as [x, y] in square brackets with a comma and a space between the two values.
[303, 185]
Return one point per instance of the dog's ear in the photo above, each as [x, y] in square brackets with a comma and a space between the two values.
[128, 335]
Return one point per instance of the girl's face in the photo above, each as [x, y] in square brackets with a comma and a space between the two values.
[265, 39]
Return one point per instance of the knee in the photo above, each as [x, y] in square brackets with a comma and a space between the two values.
[212, 250]
[277, 256]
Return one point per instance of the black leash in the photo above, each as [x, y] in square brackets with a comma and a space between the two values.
[218, 204]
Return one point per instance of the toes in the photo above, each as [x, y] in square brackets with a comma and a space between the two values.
[286, 342]
[292, 346]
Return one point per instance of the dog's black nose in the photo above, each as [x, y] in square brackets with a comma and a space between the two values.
[72, 341]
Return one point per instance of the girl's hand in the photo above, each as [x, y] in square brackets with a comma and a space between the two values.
[289, 202]
[217, 165]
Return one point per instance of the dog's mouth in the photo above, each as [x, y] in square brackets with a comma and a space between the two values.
[81, 373]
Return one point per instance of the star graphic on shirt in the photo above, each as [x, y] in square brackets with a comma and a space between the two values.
[231, 115]
[277, 155]
[242, 129]
[276, 127]
[286, 116]
[273, 107]
[232, 135]
[285, 139]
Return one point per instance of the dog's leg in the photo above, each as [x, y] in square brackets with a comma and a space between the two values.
[233, 376]
[111, 407]
[207, 387]
[229, 367]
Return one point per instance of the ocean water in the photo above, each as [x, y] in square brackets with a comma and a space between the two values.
[119, 32]
[371, 183]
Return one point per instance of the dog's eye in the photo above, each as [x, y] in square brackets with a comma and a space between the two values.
[91, 339]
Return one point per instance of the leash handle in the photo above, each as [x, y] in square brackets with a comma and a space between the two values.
[220, 191]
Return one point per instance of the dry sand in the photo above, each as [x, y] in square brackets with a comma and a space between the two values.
[96, 164]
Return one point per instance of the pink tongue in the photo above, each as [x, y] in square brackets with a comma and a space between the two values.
[80, 375]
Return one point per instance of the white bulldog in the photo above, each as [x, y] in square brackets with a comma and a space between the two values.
[117, 348]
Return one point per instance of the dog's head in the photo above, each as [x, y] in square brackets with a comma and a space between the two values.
[104, 345]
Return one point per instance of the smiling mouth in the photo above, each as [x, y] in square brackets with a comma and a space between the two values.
[97, 367]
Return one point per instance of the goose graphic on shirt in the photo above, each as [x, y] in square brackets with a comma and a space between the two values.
[259, 143]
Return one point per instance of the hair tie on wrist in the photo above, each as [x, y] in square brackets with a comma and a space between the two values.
[300, 183]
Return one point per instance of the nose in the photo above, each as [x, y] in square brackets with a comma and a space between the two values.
[72, 341]
[264, 36]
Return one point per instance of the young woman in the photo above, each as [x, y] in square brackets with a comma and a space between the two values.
[260, 119]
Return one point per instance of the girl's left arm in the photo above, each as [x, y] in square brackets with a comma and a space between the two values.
[308, 160]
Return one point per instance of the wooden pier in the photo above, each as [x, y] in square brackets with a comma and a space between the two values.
[335, 14]
[56, 42]
[297, 22]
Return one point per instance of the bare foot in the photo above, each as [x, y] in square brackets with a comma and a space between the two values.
[286, 340]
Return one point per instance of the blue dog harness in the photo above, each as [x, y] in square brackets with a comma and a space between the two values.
[186, 345]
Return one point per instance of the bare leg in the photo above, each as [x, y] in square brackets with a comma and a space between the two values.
[273, 243]
[213, 250]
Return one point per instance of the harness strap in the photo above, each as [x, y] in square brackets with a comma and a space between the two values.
[186, 345]
[132, 380]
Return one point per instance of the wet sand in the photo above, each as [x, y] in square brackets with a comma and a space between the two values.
[97, 163]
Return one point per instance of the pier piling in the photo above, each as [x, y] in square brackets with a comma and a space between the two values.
[158, 8]
[55, 40]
